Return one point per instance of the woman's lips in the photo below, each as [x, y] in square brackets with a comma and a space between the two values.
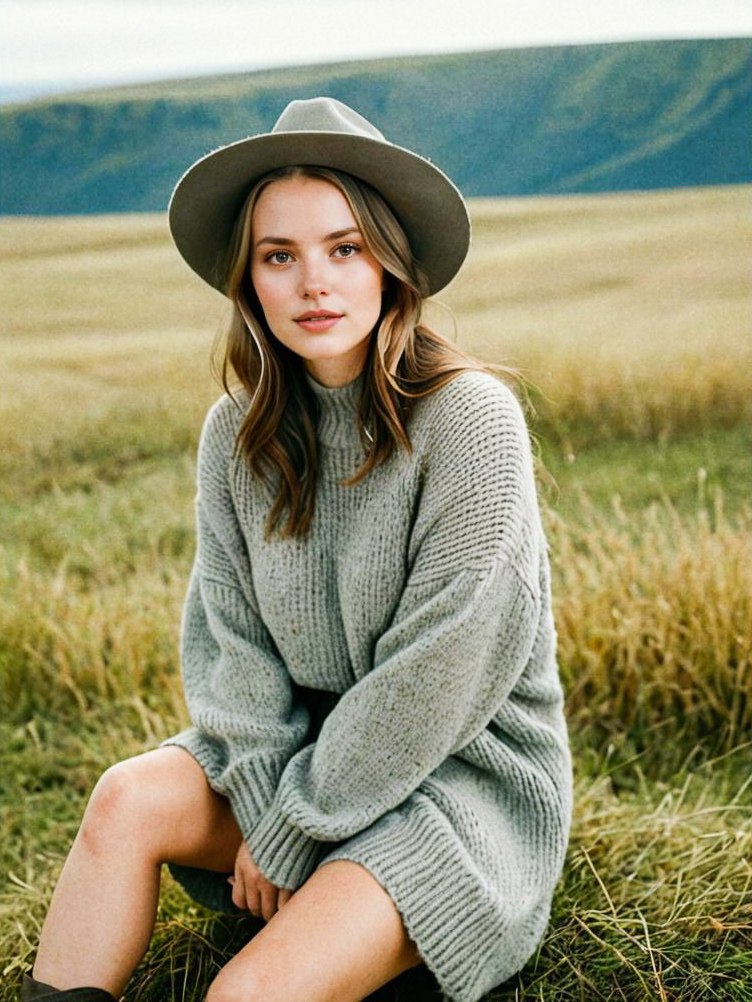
[319, 323]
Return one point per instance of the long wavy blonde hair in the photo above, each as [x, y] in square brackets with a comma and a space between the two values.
[406, 359]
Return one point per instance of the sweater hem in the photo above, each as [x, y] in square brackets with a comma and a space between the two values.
[415, 875]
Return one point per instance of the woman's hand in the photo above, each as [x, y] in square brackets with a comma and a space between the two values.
[251, 889]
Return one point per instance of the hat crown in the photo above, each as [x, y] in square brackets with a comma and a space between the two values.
[325, 114]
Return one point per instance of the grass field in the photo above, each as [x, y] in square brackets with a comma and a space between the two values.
[630, 317]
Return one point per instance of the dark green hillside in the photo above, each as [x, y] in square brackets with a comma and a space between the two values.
[587, 118]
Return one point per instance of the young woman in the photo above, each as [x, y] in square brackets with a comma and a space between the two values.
[378, 762]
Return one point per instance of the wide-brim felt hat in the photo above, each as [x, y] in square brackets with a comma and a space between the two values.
[323, 132]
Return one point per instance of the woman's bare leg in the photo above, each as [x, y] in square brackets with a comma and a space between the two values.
[338, 939]
[143, 811]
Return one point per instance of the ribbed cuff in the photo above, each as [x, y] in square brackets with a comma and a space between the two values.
[250, 787]
[284, 853]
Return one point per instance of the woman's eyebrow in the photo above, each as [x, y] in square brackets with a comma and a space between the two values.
[285, 241]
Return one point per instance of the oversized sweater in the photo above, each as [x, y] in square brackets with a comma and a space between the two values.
[385, 690]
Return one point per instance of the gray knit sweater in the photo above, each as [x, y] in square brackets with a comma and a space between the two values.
[386, 689]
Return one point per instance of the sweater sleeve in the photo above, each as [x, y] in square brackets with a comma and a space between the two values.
[459, 639]
[246, 723]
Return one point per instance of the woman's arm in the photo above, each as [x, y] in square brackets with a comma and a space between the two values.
[460, 638]
[246, 724]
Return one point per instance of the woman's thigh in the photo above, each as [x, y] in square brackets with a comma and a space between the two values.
[337, 939]
[169, 809]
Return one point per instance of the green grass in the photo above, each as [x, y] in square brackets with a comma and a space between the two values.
[687, 472]
[654, 902]
[651, 542]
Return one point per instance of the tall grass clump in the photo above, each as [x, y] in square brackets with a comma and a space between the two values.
[654, 617]
[69, 645]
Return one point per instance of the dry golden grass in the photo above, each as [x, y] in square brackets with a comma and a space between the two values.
[632, 313]
[654, 903]
[68, 643]
[106, 342]
[654, 618]
[101, 275]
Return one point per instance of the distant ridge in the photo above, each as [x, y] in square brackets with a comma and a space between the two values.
[617, 116]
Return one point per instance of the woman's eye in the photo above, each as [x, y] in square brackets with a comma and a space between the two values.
[278, 257]
[346, 250]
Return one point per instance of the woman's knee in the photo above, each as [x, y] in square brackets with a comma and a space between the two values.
[252, 986]
[138, 801]
[224, 989]
[112, 801]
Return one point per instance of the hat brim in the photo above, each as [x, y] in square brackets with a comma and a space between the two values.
[208, 197]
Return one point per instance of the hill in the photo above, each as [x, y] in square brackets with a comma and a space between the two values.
[591, 118]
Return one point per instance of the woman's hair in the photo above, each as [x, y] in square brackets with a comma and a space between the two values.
[406, 360]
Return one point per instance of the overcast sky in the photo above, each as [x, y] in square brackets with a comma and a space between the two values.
[53, 45]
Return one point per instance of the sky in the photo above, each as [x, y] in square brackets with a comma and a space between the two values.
[49, 46]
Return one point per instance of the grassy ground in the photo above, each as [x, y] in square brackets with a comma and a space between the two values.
[630, 315]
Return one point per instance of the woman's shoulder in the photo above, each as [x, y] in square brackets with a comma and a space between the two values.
[473, 404]
[220, 428]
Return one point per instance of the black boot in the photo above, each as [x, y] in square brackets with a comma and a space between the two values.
[32, 990]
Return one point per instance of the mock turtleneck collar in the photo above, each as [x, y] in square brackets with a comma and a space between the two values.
[338, 412]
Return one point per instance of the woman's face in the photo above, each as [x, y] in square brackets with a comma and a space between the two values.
[318, 285]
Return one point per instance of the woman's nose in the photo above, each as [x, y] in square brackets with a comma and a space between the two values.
[313, 279]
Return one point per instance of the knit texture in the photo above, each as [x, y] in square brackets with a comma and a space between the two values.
[386, 690]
